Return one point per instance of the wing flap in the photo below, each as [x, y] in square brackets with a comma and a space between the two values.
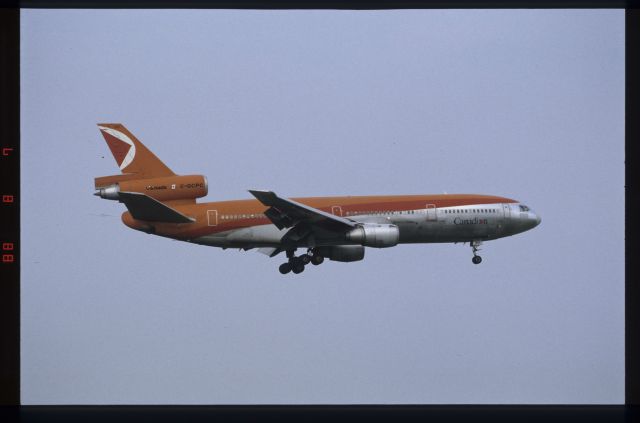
[143, 207]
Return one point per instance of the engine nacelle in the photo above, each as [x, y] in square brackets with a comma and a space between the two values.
[162, 189]
[344, 253]
[374, 235]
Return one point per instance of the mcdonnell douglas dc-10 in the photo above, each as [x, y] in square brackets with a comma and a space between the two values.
[162, 203]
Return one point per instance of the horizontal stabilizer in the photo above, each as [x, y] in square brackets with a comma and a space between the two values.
[143, 207]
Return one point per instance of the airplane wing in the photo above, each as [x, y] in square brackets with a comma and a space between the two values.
[305, 222]
[286, 213]
[143, 207]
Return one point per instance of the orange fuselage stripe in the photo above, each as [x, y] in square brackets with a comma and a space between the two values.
[350, 204]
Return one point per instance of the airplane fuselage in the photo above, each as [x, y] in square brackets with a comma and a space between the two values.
[419, 218]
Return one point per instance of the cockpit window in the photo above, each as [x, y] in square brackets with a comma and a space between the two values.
[524, 208]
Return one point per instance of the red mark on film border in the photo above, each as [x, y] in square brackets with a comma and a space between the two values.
[7, 258]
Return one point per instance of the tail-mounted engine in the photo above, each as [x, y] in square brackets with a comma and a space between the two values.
[162, 189]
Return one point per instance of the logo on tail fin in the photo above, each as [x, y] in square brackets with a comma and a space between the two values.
[122, 147]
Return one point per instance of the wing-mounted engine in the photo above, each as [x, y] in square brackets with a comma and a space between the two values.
[188, 187]
[373, 235]
[344, 253]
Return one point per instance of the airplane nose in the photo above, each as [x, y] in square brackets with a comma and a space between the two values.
[538, 219]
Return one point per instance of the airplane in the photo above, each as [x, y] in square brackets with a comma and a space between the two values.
[162, 203]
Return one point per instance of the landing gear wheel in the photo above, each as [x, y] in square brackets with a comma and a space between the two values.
[285, 268]
[298, 267]
[475, 247]
[305, 258]
[316, 260]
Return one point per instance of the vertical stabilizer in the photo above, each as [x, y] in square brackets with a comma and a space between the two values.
[132, 156]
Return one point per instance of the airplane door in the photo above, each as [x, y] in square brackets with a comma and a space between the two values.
[432, 213]
[212, 217]
[507, 211]
[336, 210]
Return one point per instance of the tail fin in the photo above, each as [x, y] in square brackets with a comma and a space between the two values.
[131, 155]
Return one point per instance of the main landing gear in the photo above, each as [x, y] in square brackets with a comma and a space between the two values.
[475, 246]
[297, 264]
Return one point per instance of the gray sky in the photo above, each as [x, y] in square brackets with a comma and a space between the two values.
[523, 104]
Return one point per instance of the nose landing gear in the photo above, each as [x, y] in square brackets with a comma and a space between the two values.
[297, 264]
[475, 246]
